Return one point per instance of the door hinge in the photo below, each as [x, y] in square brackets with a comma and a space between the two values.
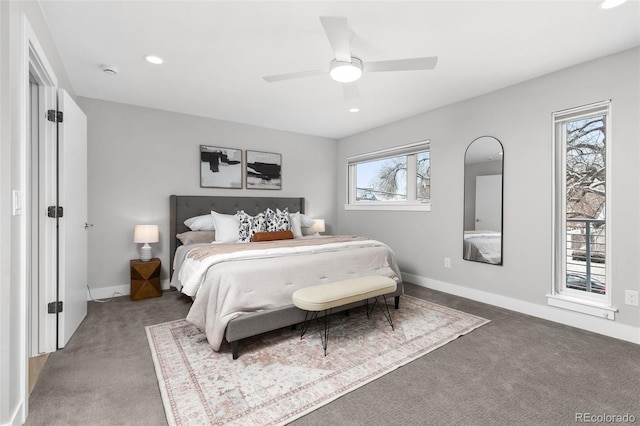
[55, 307]
[55, 116]
[55, 211]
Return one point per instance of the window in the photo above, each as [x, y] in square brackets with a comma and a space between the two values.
[392, 179]
[581, 178]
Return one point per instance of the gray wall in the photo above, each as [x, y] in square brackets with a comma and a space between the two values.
[520, 117]
[137, 157]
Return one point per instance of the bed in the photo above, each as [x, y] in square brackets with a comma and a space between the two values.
[483, 246]
[271, 310]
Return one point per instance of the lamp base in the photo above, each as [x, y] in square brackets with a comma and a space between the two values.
[145, 252]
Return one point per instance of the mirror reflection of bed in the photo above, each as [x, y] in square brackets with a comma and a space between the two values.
[482, 237]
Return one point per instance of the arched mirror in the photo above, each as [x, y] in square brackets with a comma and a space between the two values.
[483, 164]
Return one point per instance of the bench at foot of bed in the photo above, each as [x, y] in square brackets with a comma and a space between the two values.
[261, 322]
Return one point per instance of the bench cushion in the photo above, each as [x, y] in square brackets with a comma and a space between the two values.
[338, 293]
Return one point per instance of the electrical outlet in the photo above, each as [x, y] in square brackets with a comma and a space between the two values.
[447, 262]
[631, 297]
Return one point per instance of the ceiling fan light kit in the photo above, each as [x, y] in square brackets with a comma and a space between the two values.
[346, 72]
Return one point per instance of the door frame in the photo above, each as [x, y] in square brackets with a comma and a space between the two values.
[33, 61]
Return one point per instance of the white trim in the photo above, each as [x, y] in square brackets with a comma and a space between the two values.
[411, 148]
[374, 205]
[14, 420]
[581, 305]
[562, 316]
[560, 296]
[108, 292]
[117, 291]
[31, 58]
[410, 151]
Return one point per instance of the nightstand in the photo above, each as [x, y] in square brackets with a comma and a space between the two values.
[145, 279]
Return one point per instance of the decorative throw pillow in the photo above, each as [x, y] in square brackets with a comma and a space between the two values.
[270, 220]
[249, 225]
[272, 236]
[283, 220]
[278, 220]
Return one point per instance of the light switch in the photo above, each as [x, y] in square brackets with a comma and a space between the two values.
[17, 202]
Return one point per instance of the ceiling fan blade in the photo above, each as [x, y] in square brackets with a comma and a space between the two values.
[293, 75]
[412, 64]
[351, 95]
[339, 36]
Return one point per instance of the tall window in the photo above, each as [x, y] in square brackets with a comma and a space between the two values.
[396, 178]
[581, 181]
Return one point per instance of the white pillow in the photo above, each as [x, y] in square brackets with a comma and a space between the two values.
[227, 227]
[306, 221]
[200, 223]
[296, 227]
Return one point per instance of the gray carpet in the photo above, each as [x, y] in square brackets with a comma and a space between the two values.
[514, 370]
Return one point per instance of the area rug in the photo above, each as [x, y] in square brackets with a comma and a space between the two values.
[280, 377]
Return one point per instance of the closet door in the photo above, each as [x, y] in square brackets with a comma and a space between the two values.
[72, 226]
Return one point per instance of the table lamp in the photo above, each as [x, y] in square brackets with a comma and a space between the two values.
[318, 226]
[145, 234]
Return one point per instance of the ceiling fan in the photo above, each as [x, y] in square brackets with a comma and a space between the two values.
[346, 68]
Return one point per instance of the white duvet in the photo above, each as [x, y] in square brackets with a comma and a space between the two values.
[226, 285]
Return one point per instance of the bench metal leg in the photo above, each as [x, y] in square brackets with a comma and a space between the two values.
[385, 309]
[306, 322]
[327, 324]
[386, 312]
[324, 335]
[397, 300]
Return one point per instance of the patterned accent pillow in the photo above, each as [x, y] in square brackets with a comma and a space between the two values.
[249, 225]
[283, 220]
[278, 220]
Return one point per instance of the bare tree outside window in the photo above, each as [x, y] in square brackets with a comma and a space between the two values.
[423, 175]
[585, 203]
[386, 179]
[586, 159]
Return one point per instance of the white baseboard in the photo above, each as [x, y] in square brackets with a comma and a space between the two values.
[116, 291]
[18, 414]
[573, 319]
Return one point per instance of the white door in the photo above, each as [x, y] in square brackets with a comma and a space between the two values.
[72, 196]
[489, 203]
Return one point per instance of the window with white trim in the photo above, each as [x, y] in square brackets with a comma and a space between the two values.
[392, 179]
[582, 238]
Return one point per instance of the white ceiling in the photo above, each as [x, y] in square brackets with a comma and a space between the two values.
[217, 52]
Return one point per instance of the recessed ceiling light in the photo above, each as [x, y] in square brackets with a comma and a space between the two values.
[354, 109]
[155, 60]
[610, 4]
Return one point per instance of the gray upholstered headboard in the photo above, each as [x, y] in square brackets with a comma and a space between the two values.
[182, 207]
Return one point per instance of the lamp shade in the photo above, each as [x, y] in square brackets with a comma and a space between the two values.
[318, 226]
[145, 234]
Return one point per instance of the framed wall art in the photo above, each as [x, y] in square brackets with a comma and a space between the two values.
[263, 170]
[220, 167]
